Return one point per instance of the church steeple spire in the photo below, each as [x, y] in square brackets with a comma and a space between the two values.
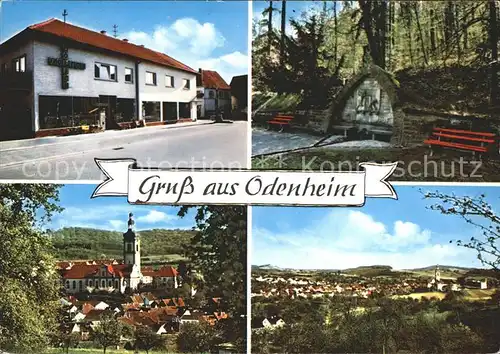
[131, 222]
[131, 244]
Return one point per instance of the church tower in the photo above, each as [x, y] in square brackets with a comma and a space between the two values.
[131, 244]
[437, 274]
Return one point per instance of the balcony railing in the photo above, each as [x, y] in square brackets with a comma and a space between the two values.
[16, 80]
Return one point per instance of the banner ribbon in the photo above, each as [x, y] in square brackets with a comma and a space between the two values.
[243, 187]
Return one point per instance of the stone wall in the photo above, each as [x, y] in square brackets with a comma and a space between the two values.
[317, 120]
[415, 128]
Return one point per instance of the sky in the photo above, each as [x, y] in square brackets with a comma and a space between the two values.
[294, 9]
[111, 213]
[401, 233]
[212, 35]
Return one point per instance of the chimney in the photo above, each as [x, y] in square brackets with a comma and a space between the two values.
[125, 39]
[142, 45]
[103, 32]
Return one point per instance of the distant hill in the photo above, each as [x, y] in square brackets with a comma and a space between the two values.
[266, 267]
[86, 243]
[385, 270]
[372, 271]
[441, 267]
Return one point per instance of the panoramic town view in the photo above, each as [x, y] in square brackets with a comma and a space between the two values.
[94, 276]
[416, 275]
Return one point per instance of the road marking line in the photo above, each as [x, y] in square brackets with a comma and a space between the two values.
[10, 164]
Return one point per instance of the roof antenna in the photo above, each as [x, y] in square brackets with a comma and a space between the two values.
[115, 31]
[65, 14]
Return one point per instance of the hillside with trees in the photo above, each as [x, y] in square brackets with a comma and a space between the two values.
[87, 243]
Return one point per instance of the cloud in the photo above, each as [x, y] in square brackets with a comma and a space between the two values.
[117, 224]
[154, 217]
[185, 34]
[346, 238]
[194, 44]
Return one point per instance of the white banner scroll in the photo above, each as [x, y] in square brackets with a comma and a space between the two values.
[243, 187]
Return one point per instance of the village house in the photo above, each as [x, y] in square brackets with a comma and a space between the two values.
[216, 94]
[57, 78]
[239, 97]
[267, 322]
[113, 276]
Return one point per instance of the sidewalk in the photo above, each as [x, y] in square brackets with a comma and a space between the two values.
[108, 134]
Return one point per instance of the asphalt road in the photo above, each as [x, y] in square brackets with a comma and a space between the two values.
[72, 157]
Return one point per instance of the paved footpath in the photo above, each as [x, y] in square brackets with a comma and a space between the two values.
[200, 145]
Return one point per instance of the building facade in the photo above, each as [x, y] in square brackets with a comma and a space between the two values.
[216, 94]
[111, 275]
[55, 77]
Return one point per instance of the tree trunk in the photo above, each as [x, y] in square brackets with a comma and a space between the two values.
[421, 34]
[409, 34]
[336, 33]
[373, 43]
[283, 28]
[433, 32]
[457, 32]
[466, 29]
[494, 91]
[270, 27]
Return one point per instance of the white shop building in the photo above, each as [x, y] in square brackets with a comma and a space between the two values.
[56, 78]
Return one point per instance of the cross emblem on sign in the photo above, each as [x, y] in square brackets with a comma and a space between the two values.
[65, 64]
[64, 69]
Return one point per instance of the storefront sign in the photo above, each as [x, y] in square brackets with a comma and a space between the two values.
[65, 64]
[70, 64]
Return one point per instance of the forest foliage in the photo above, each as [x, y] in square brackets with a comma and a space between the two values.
[419, 41]
[87, 243]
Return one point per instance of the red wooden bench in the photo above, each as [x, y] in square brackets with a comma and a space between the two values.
[477, 142]
[282, 121]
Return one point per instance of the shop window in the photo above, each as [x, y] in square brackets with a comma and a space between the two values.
[67, 111]
[184, 110]
[151, 111]
[125, 110]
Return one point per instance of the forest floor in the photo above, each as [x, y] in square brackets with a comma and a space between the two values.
[414, 164]
[456, 88]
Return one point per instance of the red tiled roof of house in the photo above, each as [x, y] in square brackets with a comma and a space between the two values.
[81, 271]
[86, 308]
[165, 271]
[177, 302]
[94, 315]
[102, 41]
[212, 79]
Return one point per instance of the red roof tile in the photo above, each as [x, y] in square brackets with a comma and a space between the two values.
[165, 271]
[81, 271]
[212, 79]
[86, 308]
[102, 41]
